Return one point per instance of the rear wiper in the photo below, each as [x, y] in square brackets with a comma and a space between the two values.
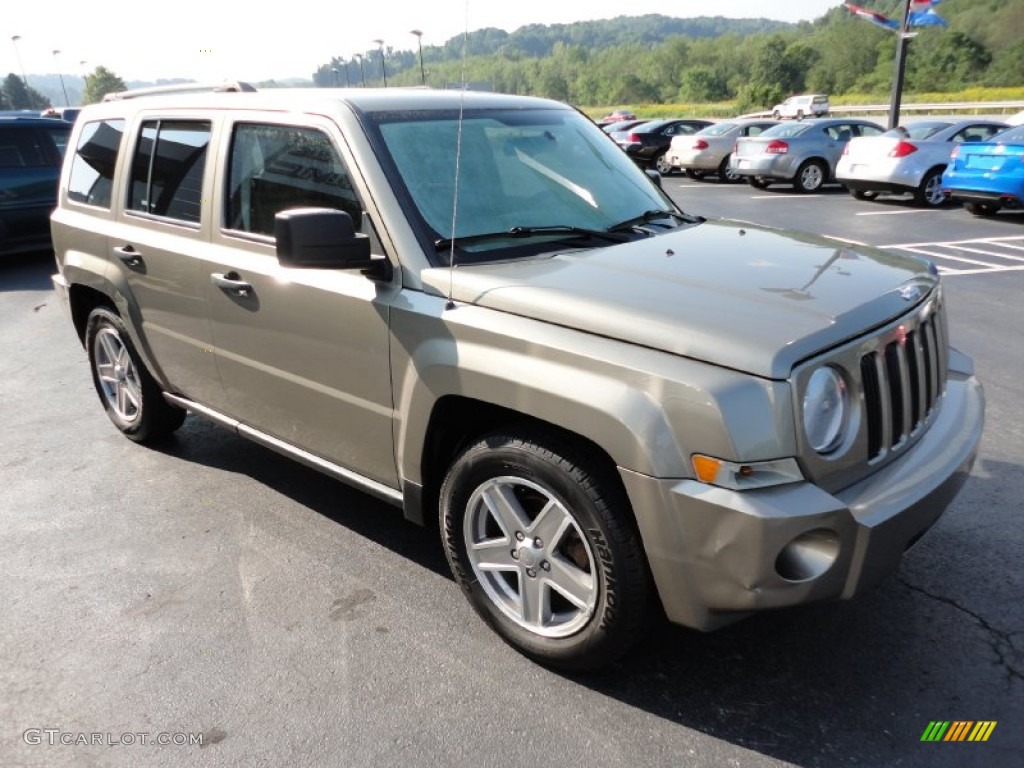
[522, 232]
[648, 216]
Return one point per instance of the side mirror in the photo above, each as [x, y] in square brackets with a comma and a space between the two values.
[654, 176]
[324, 238]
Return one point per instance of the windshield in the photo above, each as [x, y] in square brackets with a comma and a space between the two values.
[786, 130]
[518, 170]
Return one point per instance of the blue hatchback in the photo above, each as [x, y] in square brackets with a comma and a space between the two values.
[988, 176]
[31, 150]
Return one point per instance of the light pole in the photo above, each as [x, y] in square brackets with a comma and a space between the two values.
[383, 71]
[344, 66]
[17, 54]
[337, 82]
[419, 43]
[903, 38]
[67, 103]
[362, 75]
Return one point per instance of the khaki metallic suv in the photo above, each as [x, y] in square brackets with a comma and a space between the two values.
[476, 307]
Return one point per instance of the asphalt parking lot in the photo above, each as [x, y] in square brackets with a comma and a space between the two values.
[210, 587]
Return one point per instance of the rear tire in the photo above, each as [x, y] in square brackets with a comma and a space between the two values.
[758, 182]
[981, 209]
[129, 394]
[811, 176]
[725, 174]
[694, 173]
[863, 194]
[541, 540]
[929, 194]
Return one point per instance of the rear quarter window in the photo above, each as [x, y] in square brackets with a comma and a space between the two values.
[92, 168]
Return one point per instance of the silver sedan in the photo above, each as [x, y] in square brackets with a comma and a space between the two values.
[803, 153]
[908, 159]
[708, 150]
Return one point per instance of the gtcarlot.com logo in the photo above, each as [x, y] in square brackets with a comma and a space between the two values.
[958, 730]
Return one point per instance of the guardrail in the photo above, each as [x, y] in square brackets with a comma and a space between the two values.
[968, 107]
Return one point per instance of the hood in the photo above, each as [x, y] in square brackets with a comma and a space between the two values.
[746, 297]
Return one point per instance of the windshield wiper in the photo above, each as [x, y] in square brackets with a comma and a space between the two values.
[524, 232]
[648, 216]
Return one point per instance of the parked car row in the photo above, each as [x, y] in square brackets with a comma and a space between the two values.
[979, 162]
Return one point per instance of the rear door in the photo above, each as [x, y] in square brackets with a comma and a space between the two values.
[163, 232]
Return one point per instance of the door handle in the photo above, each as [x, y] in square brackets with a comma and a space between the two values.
[129, 256]
[232, 283]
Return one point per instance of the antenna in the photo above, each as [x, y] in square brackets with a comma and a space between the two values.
[458, 158]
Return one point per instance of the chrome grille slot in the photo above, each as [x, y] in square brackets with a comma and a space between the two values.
[902, 380]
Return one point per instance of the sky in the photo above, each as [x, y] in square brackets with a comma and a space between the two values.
[213, 41]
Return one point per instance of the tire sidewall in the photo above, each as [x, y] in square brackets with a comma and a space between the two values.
[597, 638]
[803, 169]
[148, 424]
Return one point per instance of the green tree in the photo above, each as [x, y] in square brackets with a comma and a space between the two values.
[701, 84]
[18, 96]
[101, 82]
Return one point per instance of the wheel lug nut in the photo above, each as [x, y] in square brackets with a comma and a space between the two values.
[515, 554]
[520, 536]
[544, 564]
[538, 543]
[531, 573]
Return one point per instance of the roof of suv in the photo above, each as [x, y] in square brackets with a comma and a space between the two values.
[316, 99]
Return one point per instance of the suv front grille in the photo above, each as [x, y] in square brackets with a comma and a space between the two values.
[902, 382]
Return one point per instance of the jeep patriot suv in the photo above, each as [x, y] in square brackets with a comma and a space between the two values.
[476, 307]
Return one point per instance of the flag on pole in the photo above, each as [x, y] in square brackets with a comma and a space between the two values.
[875, 18]
[927, 18]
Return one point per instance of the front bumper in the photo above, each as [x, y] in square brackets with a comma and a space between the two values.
[717, 554]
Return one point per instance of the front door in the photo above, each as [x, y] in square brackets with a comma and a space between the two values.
[303, 353]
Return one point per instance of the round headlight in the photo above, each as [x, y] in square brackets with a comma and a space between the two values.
[825, 407]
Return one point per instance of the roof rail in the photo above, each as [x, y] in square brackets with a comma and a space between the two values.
[180, 88]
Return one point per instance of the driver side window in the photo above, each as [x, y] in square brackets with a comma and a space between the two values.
[275, 168]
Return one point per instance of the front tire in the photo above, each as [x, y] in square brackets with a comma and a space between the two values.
[663, 166]
[695, 173]
[810, 177]
[542, 543]
[758, 182]
[863, 194]
[129, 394]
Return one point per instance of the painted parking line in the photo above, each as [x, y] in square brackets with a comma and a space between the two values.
[895, 213]
[970, 257]
[783, 197]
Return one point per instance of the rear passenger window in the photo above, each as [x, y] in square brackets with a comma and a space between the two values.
[92, 168]
[274, 168]
[167, 169]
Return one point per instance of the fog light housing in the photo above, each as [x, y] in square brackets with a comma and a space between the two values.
[808, 556]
